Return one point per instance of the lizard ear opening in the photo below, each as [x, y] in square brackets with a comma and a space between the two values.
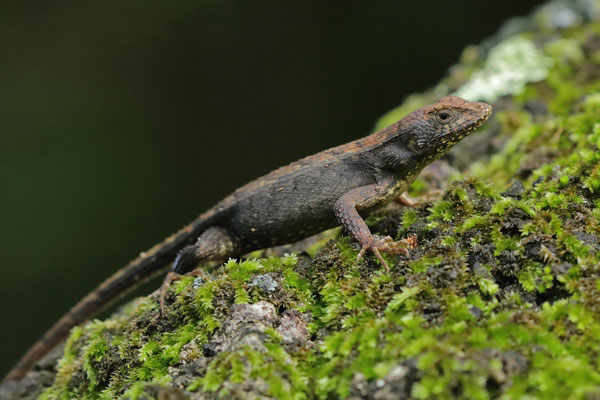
[412, 143]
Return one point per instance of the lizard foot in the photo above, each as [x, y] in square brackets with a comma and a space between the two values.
[170, 278]
[387, 245]
[405, 200]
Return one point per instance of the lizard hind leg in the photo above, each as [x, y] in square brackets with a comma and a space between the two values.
[214, 244]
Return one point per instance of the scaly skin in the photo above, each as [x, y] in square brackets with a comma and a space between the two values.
[330, 188]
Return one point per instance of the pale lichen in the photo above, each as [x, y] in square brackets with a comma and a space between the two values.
[510, 65]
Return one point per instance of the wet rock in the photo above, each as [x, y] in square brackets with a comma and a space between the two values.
[561, 269]
[28, 388]
[292, 329]
[476, 312]
[246, 326]
[536, 108]
[515, 190]
[586, 238]
[396, 385]
[209, 349]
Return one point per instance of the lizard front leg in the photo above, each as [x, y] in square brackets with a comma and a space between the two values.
[345, 209]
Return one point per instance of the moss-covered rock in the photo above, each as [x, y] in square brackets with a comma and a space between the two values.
[500, 299]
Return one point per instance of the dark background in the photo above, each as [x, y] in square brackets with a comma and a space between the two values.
[121, 121]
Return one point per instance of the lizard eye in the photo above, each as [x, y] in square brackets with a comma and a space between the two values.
[444, 116]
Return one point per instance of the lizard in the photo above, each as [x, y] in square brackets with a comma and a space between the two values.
[334, 187]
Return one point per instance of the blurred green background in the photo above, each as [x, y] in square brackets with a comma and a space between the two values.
[122, 121]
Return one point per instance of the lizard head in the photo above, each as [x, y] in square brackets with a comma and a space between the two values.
[434, 129]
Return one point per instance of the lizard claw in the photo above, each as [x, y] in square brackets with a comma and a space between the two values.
[387, 245]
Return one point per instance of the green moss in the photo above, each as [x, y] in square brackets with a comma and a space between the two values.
[418, 188]
[273, 366]
[472, 222]
[500, 299]
[442, 210]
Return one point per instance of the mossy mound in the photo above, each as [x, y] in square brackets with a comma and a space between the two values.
[500, 299]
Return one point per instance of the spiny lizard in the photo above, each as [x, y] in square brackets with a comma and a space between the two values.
[330, 188]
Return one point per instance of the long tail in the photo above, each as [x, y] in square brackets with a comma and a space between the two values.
[135, 273]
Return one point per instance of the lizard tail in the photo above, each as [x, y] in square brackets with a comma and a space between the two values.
[135, 273]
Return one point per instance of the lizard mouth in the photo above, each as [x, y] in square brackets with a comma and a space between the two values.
[486, 112]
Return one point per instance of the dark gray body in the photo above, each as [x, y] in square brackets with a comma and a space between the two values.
[301, 197]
